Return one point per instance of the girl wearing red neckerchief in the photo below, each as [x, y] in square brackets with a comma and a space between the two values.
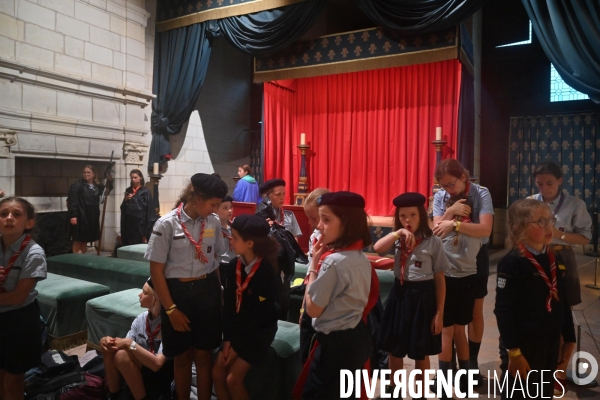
[184, 268]
[413, 313]
[338, 293]
[22, 265]
[531, 309]
[138, 357]
[249, 305]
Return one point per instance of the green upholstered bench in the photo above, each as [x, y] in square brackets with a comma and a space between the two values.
[386, 281]
[274, 378]
[115, 273]
[133, 252]
[111, 315]
[62, 304]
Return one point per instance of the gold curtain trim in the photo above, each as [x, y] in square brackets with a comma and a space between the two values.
[222, 12]
[394, 60]
[67, 342]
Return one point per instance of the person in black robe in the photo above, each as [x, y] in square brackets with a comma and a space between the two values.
[135, 211]
[83, 209]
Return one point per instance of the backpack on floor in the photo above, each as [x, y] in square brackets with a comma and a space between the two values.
[56, 370]
[90, 388]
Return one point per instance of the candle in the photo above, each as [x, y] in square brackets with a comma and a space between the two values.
[302, 138]
[438, 133]
[155, 169]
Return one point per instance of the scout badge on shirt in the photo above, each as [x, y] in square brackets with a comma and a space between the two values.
[261, 298]
[501, 283]
[418, 264]
[209, 249]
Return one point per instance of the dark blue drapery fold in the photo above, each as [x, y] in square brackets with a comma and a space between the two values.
[180, 62]
[181, 59]
[418, 16]
[268, 31]
[569, 32]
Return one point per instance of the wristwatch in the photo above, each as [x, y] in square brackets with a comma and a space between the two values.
[132, 346]
[563, 236]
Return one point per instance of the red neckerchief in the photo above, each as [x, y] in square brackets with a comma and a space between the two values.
[134, 190]
[404, 253]
[358, 245]
[197, 245]
[552, 286]
[226, 236]
[282, 219]
[238, 280]
[12, 260]
[467, 187]
[151, 335]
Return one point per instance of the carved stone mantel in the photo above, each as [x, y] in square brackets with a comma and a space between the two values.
[7, 139]
[133, 153]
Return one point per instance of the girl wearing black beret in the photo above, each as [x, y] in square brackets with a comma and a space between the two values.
[341, 290]
[413, 314]
[250, 309]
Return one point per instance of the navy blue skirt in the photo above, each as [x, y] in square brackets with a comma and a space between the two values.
[406, 324]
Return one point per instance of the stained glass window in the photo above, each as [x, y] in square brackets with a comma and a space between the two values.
[560, 91]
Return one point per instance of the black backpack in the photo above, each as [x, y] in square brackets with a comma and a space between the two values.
[56, 370]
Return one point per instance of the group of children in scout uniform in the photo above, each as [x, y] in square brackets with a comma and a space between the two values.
[235, 309]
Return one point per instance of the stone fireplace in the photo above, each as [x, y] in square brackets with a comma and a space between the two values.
[76, 85]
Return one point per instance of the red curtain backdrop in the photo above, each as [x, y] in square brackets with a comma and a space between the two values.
[369, 132]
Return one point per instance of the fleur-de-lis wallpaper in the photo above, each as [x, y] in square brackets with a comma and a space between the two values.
[571, 141]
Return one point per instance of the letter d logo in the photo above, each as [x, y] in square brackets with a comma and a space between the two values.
[588, 368]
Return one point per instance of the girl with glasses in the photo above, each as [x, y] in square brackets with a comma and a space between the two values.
[454, 180]
[531, 307]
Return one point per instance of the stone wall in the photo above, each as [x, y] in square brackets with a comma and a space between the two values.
[76, 84]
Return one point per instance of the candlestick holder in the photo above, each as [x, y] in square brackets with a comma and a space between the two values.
[300, 196]
[155, 179]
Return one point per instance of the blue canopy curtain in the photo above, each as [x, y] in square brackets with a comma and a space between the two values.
[268, 31]
[569, 32]
[180, 63]
[181, 59]
[418, 16]
[571, 141]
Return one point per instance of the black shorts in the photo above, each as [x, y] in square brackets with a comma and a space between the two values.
[20, 339]
[460, 299]
[483, 272]
[158, 383]
[348, 349]
[200, 301]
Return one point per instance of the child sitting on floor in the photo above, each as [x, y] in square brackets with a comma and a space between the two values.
[138, 357]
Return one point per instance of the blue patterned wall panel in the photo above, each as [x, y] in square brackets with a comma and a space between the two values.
[571, 141]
